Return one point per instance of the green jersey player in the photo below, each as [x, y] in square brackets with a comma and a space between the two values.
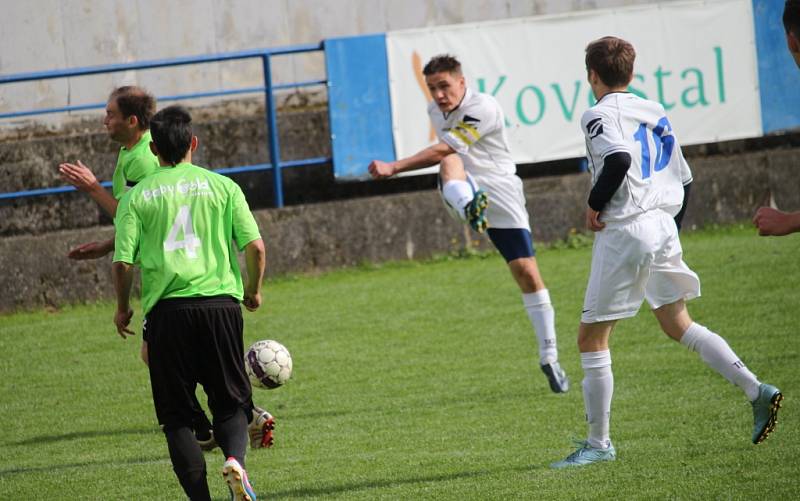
[127, 120]
[637, 188]
[186, 223]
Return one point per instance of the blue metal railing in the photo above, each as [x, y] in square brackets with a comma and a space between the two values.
[268, 89]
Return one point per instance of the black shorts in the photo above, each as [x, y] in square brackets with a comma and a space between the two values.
[513, 243]
[191, 341]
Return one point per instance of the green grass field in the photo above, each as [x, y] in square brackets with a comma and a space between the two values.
[420, 381]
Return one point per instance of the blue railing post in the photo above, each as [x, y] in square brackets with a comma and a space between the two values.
[272, 130]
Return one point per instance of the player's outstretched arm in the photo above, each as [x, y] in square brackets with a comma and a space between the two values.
[431, 155]
[256, 259]
[122, 274]
[772, 222]
[82, 178]
[91, 250]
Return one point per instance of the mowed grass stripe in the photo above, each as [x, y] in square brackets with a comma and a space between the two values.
[421, 380]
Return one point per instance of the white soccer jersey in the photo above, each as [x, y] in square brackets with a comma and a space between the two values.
[624, 122]
[476, 131]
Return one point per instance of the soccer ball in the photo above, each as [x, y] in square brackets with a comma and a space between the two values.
[268, 364]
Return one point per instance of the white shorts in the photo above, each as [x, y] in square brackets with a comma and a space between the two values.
[506, 200]
[636, 260]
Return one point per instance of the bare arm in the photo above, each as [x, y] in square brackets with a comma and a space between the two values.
[256, 259]
[82, 178]
[431, 155]
[772, 222]
[122, 273]
[91, 250]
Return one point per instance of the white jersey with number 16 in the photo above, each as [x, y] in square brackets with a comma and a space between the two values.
[624, 122]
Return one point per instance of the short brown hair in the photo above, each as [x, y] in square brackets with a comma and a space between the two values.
[612, 59]
[133, 100]
[442, 63]
[791, 17]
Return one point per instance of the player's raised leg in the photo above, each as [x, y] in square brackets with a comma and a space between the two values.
[598, 388]
[462, 193]
[717, 354]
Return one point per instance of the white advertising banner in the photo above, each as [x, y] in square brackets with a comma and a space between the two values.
[697, 58]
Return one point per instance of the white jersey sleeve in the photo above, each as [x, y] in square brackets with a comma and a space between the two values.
[686, 172]
[603, 133]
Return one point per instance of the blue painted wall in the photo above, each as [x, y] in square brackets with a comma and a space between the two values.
[358, 104]
[778, 75]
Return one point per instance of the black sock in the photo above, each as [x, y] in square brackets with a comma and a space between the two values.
[231, 435]
[188, 463]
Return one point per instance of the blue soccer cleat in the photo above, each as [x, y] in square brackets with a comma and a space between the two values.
[586, 454]
[475, 212]
[237, 481]
[765, 411]
[556, 376]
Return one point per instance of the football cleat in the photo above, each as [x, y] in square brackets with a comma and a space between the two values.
[236, 478]
[586, 454]
[260, 428]
[765, 411]
[475, 212]
[556, 376]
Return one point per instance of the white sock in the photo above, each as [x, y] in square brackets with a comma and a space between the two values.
[458, 194]
[542, 317]
[598, 387]
[716, 353]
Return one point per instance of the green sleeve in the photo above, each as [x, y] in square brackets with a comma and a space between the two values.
[141, 167]
[245, 229]
[127, 232]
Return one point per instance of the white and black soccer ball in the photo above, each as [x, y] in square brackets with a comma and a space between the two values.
[268, 364]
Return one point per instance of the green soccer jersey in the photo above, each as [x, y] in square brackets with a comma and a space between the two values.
[133, 165]
[184, 222]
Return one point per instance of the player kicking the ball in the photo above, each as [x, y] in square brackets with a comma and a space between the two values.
[478, 181]
[635, 161]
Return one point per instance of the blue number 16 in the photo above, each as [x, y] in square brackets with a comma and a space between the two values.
[664, 141]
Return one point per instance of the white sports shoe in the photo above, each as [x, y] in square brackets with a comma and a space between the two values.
[260, 428]
[238, 483]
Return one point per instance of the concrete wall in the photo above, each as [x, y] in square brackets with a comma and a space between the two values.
[727, 188]
[39, 35]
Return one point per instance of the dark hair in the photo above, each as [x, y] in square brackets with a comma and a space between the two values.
[135, 101]
[612, 58]
[791, 17]
[171, 130]
[442, 63]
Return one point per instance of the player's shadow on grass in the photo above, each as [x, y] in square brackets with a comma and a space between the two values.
[71, 466]
[377, 484]
[78, 435]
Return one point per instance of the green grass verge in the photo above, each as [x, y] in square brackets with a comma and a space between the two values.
[420, 380]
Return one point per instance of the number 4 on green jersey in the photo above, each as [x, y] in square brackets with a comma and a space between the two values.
[183, 222]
